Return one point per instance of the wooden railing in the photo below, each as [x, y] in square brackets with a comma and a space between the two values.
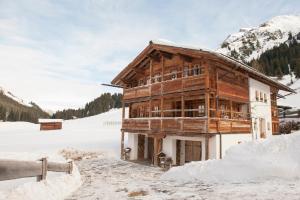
[174, 125]
[15, 169]
[165, 87]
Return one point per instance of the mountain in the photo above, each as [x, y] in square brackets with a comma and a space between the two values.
[13, 108]
[250, 43]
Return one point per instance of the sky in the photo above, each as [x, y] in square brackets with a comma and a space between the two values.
[57, 53]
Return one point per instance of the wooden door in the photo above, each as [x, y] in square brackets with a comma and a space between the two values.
[141, 147]
[150, 148]
[262, 125]
[193, 151]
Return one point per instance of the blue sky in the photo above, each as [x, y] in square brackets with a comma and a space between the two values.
[56, 53]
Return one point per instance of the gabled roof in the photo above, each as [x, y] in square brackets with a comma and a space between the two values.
[191, 51]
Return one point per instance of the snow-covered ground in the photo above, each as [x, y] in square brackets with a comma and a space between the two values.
[24, 141]
[266, 169]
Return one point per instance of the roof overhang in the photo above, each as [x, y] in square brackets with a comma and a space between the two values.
[195, 52]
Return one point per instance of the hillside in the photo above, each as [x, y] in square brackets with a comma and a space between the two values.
[13, 108]
[103, 103]
[250, 43]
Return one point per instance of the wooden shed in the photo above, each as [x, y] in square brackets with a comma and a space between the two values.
[50, 124]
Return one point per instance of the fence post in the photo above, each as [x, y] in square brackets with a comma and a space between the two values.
[70, 167]
[44, 170]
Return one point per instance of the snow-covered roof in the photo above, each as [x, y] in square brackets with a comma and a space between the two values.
[50, 120]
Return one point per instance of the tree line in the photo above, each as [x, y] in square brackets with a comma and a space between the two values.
[280, 60]
[99, 105]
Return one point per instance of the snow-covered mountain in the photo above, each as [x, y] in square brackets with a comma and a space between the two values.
[250, 43]
[13, 97]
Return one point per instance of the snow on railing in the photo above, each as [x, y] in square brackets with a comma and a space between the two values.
[15, 169]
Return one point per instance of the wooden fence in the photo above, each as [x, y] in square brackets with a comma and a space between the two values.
[14, 169]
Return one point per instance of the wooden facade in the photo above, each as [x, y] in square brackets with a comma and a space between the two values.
[186, 92]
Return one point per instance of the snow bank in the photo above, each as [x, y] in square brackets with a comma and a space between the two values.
[275, 157]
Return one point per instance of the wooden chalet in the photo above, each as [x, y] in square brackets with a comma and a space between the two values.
[193, 104]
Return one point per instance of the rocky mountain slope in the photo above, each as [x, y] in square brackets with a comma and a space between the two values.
[250, 43]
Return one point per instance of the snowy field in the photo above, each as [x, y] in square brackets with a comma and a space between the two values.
[24, 141]
[266, 169]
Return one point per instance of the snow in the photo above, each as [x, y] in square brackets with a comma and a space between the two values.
[24, 141]
[275, 158]
[17, 99]
[94, 143]
[49, 120]
[272, 33]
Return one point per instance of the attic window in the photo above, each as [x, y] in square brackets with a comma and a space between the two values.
[261, 97]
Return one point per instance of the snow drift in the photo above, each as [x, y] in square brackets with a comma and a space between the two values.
[275, 157]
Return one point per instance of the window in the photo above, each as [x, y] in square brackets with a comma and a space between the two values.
[265, 98]
[185, 71]
[174, 75]
[156, 111]
[196, 70]
[156, 78]
[261, 96]
[201, 110]
[141, 82]
[256, 95]
[148, 80]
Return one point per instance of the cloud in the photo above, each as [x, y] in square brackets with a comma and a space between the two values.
[56, 53]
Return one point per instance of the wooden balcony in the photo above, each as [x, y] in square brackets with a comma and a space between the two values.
[183, 126]
[137, 92]
[177, 85]
[176, 126]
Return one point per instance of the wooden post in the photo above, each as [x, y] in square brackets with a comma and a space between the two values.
[206, 147]
[156, 149]
[122, 145]
[122, 132]
[44, 170]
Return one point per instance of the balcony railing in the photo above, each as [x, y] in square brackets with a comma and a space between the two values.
[172, 125]
[186, 125]
[169, 86]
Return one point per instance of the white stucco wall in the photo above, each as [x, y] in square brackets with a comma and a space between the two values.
[169, 148]
[133, 144]
[260, 109]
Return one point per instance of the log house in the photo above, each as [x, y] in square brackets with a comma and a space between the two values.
[193, 104]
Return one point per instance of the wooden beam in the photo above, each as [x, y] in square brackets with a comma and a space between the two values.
[122, 145]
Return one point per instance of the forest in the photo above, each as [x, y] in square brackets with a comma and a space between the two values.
[99, 105]
[280, 60]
